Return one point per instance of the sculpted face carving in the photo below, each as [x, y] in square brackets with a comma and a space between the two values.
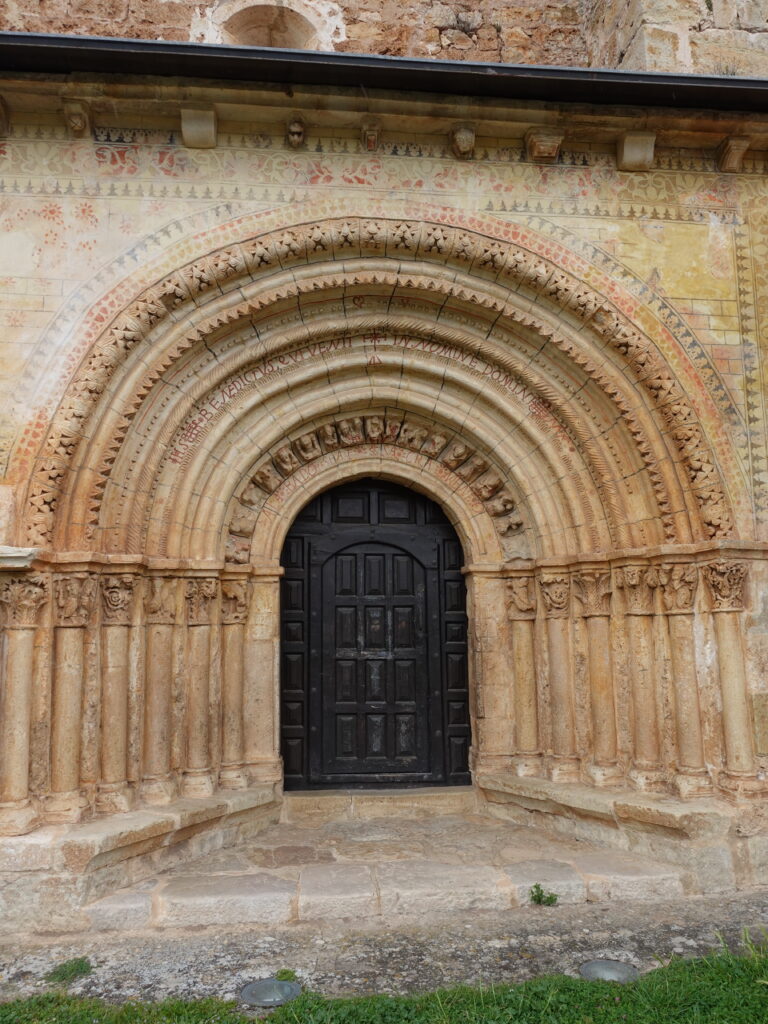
[73, 599]
[374, 428]
[295, 133]
[192, 283]
[462, 140]
[556, 592]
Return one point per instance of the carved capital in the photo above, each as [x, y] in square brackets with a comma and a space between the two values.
[200, 594]
[593, 592]
[725, 582]
[23, 598]
[73, 600]
[638, 583]
[678, 588]
[234, 600]
[521, 598]
[117, 599]
[556, 594]
[160, 600]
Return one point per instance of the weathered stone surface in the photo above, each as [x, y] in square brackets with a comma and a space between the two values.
[553, 876]
[329, 891]
[256, 898]
[130, 911]
[414, 887]
[612, 875]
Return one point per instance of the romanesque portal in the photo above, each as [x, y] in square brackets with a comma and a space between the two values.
[560, 425]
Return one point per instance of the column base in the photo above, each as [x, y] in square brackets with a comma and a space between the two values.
[693, 783]
[604, 774]
[269, 770]
[233, 777]
[565, 769]
[197, 782]
[114, 798]
[18, 818]
[66, 808]
[159, 790]
[528, 766]
[742, 785]
[647, 778]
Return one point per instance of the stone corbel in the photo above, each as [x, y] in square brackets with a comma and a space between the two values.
[635, 151]
[542, 146]
[370, 136]
[198, 127]
[77, 115]
[461, 139]
[731, 153]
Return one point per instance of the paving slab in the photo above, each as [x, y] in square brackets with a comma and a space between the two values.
[424, 886]
[332, 891]
[613, 875]
[257, 898]
[553, 876]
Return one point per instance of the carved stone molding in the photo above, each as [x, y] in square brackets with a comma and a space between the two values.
[345, 238]
[678, 585]
[235, 595]
[160, 600]
[726, 583]
[556, 595]
[428, 439]
[117, 593]
[200, 595]
[592, 589]
[73, 600]
[521, 597]
[639, 583]
[23, 598]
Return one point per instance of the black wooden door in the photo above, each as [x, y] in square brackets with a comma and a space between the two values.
[374, 650]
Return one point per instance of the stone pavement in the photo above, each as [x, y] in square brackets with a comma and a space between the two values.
[380, 870]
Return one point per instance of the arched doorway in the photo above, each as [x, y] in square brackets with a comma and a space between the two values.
[373, 642]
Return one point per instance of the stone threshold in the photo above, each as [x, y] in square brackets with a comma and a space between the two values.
[723, 845]
[323, 805]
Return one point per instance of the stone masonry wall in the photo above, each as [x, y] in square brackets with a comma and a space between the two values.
[724, 37]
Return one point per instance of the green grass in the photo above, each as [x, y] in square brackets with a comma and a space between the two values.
[719, 989]
[70, 970]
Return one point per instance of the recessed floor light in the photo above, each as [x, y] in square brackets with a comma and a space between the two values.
[269, 992]
[609, 970]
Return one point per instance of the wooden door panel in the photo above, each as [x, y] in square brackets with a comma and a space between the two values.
[374, 642]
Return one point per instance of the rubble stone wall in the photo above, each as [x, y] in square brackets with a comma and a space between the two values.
[724, 37]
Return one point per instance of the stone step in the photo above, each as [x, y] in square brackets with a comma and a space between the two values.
[378, 891]
[320, 806]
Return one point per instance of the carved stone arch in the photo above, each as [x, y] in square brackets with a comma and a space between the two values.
[495, 261]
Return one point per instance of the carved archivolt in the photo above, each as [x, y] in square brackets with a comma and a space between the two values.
[497, 262]
[485, 480]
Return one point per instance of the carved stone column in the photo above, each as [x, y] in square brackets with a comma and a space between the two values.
[158, 785]
[234, 613]
[491, 681]
[23, 598]
[74, 601]
[117, 594]
[639, 583]
[556, 598]
[726, 581]
[261, 678]
[593, 591]
[521, 608]
[197, 779]
[678, 585]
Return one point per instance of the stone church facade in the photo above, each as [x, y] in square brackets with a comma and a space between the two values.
[223, 300]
